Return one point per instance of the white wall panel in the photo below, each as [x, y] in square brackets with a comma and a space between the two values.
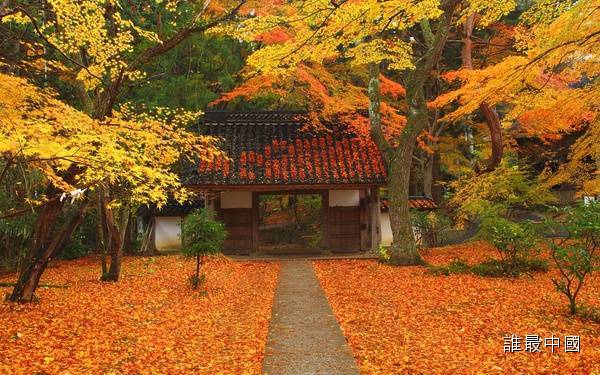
[168, 232]
[344, 198]
[236, 199]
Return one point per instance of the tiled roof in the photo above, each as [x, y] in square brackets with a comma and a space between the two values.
[417, 203]
[279, 148]
[172, 208]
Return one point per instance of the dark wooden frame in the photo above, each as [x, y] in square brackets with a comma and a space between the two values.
[256, 212]
[370, 231]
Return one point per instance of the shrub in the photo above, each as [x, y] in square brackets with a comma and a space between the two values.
[202, 235]
[496, 268]
[576, 255]
[507, 187]
[489, 268]
[429, 227]
[74, 249]
[454, 267]
[514, 242]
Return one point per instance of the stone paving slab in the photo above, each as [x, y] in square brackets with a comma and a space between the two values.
[304, 336]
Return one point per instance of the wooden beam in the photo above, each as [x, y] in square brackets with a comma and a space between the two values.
[325, 220]
[280, 188]
[364, 215]
[255, 222]
[375, 219]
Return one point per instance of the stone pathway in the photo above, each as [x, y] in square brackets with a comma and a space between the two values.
[304, 336]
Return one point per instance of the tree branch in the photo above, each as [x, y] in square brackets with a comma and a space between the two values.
[376, 130]
[180, 36]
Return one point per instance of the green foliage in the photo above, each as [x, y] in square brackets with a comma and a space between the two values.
[497, 268]
[496, 193]
[202, 235]
[384, 254]
[576, 256]
[74, 249]
[514, 241]
[16, 232]
[456, 266]
[83, 240]
[490, 268]
[430, 227]
[192, 75]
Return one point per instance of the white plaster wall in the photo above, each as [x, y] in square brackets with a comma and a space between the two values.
[167, 232]
[343, 198]
[236, 199]
[386, 229]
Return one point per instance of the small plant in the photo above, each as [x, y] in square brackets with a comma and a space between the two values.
[384, 253]
[202, 235]
[514, 242]
[577, 255]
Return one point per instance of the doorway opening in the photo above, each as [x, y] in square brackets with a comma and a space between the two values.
[290, 223]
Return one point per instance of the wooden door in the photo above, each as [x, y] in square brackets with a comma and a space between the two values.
[238, 222]
[344, 229]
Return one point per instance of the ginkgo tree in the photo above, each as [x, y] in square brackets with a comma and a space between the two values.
[406, 37]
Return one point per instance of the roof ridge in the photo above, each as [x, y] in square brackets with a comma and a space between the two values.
[254, 116]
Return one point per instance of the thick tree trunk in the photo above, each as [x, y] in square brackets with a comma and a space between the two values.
[404, 250]
[493, 123]
[46, 246]
[489, 113]
[399, 159]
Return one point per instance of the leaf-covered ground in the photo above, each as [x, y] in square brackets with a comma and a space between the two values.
[401, 320]
[149, 322]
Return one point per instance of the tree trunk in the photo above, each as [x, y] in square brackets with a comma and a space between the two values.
[489, 113]
[404, 250]
[493, 122]
[114, 239]
[45, 247]
[428, 176]
[399, 159]
[436, 188]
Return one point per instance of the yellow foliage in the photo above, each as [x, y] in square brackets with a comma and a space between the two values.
[549, 88]
[131, 151]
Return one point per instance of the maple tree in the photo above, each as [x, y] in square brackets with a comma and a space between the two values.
[548, 85]
[99, 48]
[405, 37]
[133, 154]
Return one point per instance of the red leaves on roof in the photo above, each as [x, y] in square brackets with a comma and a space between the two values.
[327, 158]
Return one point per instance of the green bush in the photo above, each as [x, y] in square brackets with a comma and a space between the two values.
[490, 268]
[496, 268]
[202, 235]
[514, 242]
[74, 249]
[577, 255]
[429, 227]
[457, 266]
